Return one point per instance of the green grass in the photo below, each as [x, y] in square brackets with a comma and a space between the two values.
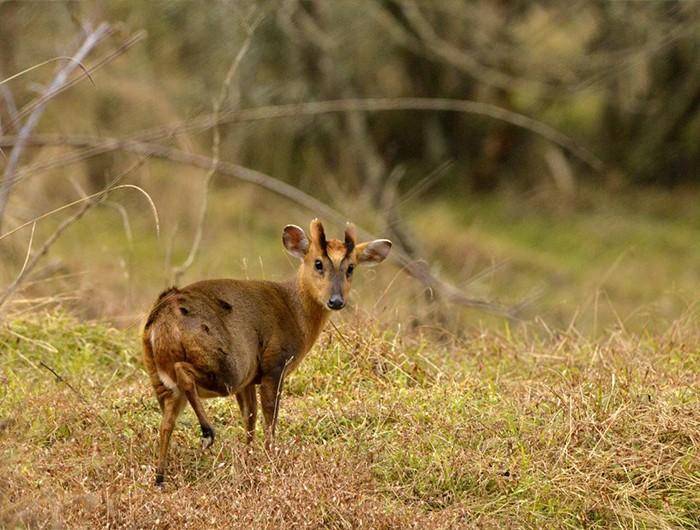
[633, 262]
[379, 426]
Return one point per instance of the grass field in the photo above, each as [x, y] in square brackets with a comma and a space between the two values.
[585, 415]
[379, 428]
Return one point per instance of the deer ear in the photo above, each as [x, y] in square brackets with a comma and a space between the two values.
[373, 252]
[295, 241]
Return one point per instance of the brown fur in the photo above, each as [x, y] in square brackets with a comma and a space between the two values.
[222, 337]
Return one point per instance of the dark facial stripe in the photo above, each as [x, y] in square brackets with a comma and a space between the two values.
[337, 283]
[322, 239]
[350, 235]
[349, 244]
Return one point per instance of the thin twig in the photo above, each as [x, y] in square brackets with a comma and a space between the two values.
[58, 376]
[44, 63]
[62, 380]
[90, 42]
[87, 203]
[82, 398]
[180, 270]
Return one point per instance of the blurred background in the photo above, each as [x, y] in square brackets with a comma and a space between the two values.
[540, 158]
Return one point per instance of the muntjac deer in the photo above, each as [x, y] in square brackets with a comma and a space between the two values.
[220, 337]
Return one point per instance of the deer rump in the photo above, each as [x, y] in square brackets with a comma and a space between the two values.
[188, 326]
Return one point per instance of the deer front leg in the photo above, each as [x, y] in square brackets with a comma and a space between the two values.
[249, 410]
[270, 389]
[270, 395]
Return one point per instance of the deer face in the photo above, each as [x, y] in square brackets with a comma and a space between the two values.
[327, 265]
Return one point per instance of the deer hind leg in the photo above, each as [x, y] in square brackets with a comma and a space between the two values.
[186, 376]
[248, 404]
[171, 403]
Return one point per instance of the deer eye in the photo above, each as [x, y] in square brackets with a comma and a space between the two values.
[350, 269]
[319, 265]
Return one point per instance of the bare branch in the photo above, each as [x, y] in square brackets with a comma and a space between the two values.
[417, 269]
[58, 377]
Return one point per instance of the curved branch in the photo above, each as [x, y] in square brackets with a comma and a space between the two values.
[417, 269]
[394, 104]
[290, 110]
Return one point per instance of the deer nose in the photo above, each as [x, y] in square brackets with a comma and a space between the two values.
[336, 302]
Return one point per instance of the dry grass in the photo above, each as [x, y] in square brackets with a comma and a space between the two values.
[379, 428]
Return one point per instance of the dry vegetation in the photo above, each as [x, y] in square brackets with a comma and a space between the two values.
[380, 428]
[512, 157]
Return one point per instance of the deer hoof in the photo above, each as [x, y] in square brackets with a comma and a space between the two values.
[207, 437]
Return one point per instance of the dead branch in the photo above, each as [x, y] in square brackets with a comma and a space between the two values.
[317, 108]
[60, 379]
[417, 269]
[92, 40]
[418, 104]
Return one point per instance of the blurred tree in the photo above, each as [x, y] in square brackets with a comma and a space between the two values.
[623, 78]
